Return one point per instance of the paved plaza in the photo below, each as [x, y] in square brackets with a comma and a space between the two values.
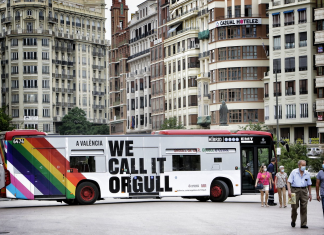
[239, 215]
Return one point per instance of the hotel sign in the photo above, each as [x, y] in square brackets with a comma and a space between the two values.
[244, 21]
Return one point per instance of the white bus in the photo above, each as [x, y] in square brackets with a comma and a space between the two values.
[202, 164]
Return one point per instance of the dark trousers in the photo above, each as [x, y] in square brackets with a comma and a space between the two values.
[302, 199]
[322, 197]
[271, 194]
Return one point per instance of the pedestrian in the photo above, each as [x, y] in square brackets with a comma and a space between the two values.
[298, 182]
[265, 178]
[320, 184]
[281, 183]
[271, 169]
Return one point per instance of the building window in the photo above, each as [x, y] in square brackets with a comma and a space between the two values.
[250, 73]
[238, 11]
[304, 110]
[279, 112]
[302, 63]
[222, 95]
[234, 95]
[276, 43]
[248, 10]
[212, 14]
[15, 113]
[233, 32]
[290, 41]
[29, 12]
[290, 111]
[277, 89]
[229, 12]
[290, 88]
[249, 31]
[277, 65]
[303, 87]
[47, 127]
[266, 90]
[222, 75]
[289, 17]
[30, 69]
[250, 94]
[249, 52]
[235, 116]
[302, 17]
[276, 20]
[221, 33]
[234, 53]
[30, 41]
[290, 64]
[46, 112]
[303, 39]
[250, 115]
[234, 74]
[266, 112]
[31, 112]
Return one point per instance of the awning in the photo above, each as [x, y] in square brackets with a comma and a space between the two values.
[277, 13]
[302, 9]
[285, 12]
[173, 28]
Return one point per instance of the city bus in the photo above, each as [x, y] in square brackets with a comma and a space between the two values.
[201, 164]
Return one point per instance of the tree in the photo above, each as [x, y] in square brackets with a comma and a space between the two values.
[171, 123]
[5, 119]
[260, 126]
[75, 123]
[290, 159]
[100, 130]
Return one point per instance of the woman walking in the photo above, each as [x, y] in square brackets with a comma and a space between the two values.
[281, 182]
[265, 178]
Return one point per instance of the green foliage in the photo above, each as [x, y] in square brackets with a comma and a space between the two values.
[5, 119]
[260, 126]
[290, 159]
[171, 123]
[76, 123]
[316, 163]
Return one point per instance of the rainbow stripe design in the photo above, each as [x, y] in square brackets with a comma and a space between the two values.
[39, 169]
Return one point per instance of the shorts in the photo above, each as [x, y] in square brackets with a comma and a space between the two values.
[265, 188]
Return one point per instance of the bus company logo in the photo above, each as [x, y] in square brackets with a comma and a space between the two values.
[263, 141]
[247, 140]
[215, 139]
[193, 185]
[203, 185]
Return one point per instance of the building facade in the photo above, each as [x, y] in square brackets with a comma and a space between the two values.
[319, 63]
[237, 60]
[53, 59]
[181, 49]
[292, 59]
[143, 31]
[158, 68]
[118, 67]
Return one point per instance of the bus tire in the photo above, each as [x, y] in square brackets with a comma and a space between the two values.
[202, 199]
[218, 191]
[87, 193]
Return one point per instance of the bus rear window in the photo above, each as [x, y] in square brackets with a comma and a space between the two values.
[186, 162]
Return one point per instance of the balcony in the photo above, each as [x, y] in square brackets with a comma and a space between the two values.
[143, 35]
[319, 59]
[319, 81]
[290, 92]
[320, 105]
[95, 106]
[204, 121]
[183, 16]
[6, 20]
[203, 35]
[319, 14]
[203, 12]
[182, 31]
[204, 54]
[203, 75]
[52, 20]
[139, 54]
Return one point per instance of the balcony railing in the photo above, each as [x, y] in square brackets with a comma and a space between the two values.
[144, 35]
[139, 54]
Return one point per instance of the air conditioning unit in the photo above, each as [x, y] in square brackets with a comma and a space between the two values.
[197, 46]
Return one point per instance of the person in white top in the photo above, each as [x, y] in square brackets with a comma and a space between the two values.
[281, 182]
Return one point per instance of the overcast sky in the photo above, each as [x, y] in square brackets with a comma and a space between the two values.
[132, 6]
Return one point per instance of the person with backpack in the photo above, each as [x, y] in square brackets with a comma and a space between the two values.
[266, 179]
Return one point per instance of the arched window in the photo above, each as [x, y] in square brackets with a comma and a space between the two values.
[41, 13]
[78, 20]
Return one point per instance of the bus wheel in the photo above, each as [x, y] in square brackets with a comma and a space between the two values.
[202, 199]
[218, 191]
[87, 193]
[71, 202]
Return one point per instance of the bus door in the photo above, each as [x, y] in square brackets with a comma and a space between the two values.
[252, 157]
[49, 173]
[145, 172]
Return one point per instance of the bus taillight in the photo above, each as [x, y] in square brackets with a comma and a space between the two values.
[7, 177]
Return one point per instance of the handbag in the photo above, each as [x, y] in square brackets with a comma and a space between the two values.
[259, 186]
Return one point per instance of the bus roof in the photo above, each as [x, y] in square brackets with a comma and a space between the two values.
[10, 134]
[209, 132]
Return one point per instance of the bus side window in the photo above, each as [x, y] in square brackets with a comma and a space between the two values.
[186, 162]
[83, 163]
